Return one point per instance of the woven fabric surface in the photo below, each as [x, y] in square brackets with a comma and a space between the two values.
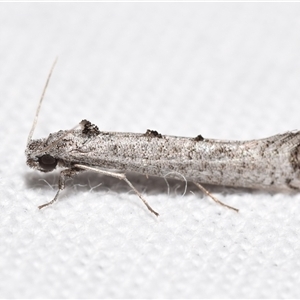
[222, 70]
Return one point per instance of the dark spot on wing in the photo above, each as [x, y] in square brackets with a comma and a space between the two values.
[153, 133]
[199, 138]
[89, 129]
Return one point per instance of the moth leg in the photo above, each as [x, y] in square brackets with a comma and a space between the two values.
[120, 176]
[61, 183]
[214, 198]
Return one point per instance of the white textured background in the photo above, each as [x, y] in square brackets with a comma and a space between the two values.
[227, 71]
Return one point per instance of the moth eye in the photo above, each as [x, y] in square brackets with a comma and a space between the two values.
[47, 162]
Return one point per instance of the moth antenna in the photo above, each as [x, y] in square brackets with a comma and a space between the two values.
[40, 103]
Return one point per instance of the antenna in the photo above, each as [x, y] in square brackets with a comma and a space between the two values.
[40, 103]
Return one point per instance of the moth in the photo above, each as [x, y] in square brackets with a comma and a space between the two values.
[269, 163]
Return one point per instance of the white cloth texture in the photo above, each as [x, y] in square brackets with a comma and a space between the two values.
[222, 70]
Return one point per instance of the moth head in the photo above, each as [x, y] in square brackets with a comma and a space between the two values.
[40, 160]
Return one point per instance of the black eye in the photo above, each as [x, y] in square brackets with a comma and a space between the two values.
[47, 162]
